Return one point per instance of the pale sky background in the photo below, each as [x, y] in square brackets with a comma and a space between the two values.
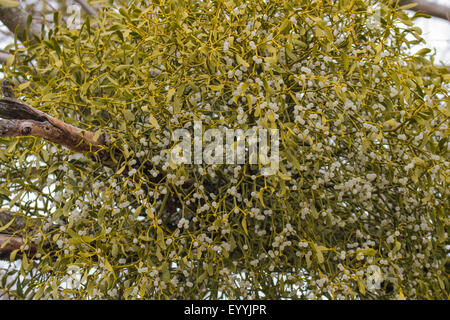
[437, 34]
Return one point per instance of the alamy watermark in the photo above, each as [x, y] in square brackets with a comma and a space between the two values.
[375, 15]
[227, 146]
[74, 17]
[374, 277]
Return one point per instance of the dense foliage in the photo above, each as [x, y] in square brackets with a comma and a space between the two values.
[358, 208]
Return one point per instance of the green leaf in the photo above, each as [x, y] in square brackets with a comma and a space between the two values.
[397, 246]
[368, 252]
[408, 6]
[285, 26]
[115, 250]
[423, 52]
[118, 172]
[319, 255]
[25, 263]
[210, 269]
[361, 286]
[202, 277]
[19, 288]
[9, 3]
[129, 116]
[244, 225]
[283, 176]
[261, 197]
[23, 86]
[108, 266]
[55, 288]
[16, 197]
[39, 293]
[241, 61]
[153, 121]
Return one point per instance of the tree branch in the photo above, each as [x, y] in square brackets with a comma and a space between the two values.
[4, 56]
[14, 18]
[8, 241]
[28, 121]
[17, 17]
[86, 7]
[430, 8]
[6, 216]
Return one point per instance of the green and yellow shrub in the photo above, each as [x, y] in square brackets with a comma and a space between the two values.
[357, 210]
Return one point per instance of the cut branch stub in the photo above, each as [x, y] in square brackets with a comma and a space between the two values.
[25, 120]
[8, 244]
[9, 241]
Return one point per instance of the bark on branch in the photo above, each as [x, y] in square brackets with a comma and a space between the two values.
[86, 7]
[6, 216]
[430, 8]
[10, 241]
[4, 56]
[24, 120]
[14, 18]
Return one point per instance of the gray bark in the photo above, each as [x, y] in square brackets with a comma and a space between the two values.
[430, 8]
[14, 18]
[24, 120]
[87, 8]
